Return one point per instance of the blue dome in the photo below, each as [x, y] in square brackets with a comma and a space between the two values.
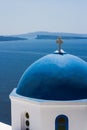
[55, 77]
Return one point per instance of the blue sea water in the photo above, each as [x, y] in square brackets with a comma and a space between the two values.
[16, 56]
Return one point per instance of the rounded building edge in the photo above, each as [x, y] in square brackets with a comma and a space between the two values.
[14, 96]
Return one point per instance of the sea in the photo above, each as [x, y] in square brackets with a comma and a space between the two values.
[17, 56]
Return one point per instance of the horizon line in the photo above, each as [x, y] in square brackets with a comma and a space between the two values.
[42, 32]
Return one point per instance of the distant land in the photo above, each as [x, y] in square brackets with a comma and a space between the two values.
[55, 37]
[43, 35]
[10, 38]
[52, 35]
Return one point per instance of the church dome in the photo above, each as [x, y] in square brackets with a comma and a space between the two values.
[55, 77]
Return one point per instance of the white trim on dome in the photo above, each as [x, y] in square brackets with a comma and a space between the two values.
[15, 96]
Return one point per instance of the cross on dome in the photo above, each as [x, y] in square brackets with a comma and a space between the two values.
[59, 41]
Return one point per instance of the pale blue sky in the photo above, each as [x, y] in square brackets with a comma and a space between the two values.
[22, 16]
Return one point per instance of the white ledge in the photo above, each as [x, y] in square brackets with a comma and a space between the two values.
[4, 126]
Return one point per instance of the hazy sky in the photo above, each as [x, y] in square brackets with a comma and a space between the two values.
[22, 16]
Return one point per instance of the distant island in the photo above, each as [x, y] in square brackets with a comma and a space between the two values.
[54, 37]
[11, 38]
[43, 35]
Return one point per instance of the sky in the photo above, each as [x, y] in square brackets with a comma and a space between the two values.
[24, 16]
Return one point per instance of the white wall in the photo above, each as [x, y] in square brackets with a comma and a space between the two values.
[77, 116]
[42, 115]
[18, 115]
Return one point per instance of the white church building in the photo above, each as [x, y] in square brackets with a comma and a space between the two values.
[51, 94]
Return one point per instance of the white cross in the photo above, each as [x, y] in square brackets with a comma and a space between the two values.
[59, 41]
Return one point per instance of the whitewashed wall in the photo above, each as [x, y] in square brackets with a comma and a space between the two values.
[42, 115]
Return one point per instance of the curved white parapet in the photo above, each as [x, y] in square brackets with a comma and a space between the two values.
[4, 126]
